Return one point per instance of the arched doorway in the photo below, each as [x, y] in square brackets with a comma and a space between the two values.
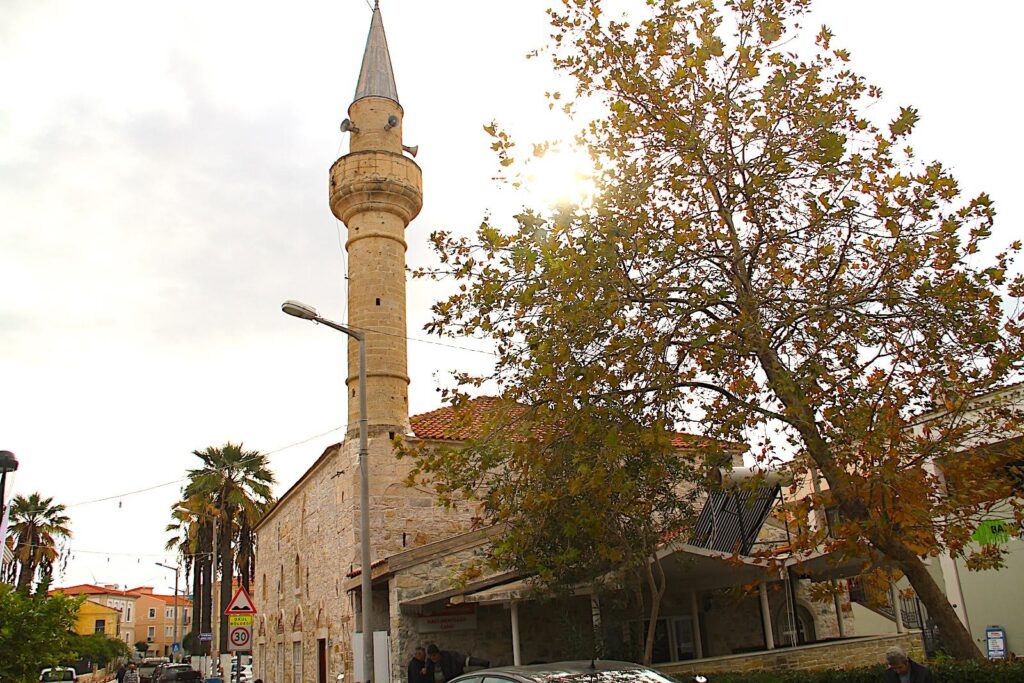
[805, 631]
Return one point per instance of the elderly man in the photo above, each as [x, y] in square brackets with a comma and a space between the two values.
[902, 669]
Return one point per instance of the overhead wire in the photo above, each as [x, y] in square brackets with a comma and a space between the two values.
[184, 479]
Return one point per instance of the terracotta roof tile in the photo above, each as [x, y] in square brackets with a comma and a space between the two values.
[451, 424]
[91, 589]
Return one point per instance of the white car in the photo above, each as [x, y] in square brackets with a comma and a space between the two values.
[58, 673]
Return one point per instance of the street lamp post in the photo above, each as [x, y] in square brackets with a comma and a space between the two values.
[8, 463]
[175, 568]
[306, 312]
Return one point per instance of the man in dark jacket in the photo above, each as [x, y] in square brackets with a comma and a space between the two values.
[902, 669]
[444, 665]
[418, 669]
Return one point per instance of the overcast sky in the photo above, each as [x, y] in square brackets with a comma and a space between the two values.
[163, 187]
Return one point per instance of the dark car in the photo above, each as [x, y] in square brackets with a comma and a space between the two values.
[148, 666]
[175, 672]
[585, 671]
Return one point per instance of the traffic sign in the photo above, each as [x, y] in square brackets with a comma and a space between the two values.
[240, 619]
[240, 637]
[241, 603]
[175, 647]
[205, 636]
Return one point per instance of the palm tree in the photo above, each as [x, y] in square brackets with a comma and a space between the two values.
[192, 536]
[237, 484]
[37, 524]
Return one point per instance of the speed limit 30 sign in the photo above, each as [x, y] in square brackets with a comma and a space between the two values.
[240, 637]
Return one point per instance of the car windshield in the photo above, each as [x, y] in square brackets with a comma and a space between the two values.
[619, 676]
[58, 675]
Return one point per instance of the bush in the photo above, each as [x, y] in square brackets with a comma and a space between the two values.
[945, 672]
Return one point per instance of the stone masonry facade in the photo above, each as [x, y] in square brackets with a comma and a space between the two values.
[846, 654]
[310, 542]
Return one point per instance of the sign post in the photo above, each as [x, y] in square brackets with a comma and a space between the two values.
[996, 641]
[240, 613]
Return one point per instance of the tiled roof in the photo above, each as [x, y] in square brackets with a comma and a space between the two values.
[146, 591]
[459, 424]
[91, 589]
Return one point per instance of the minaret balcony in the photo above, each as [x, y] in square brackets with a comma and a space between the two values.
[374, 180]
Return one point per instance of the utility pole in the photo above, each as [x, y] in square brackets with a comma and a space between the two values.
[175, 656]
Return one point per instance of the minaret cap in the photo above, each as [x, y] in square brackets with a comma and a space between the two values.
[376, 77]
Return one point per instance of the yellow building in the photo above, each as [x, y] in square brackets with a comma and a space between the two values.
[121, 601]
[95, 617]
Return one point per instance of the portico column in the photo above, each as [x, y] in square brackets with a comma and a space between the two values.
[897, 608]
[766, 618]
[838, 602]
[516, 657]
[698, 646]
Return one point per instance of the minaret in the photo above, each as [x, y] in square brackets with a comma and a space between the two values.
[376, 191]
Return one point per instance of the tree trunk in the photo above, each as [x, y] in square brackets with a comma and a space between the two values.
[197, 589]
[657, 587]
[245, 552]
[206, 585]
[227, 564]
[954, 634]
[27, 571]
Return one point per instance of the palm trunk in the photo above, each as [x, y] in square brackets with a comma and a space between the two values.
[25, 574]
[197, 587]
[245, 552]
[227, 563]
[206, 584]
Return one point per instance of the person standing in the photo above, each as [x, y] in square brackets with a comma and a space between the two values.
[418, 667]
[903, 669]
[121, 671]
[131, 675]
[444, 665]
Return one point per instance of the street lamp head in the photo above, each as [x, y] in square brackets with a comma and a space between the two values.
[8, 463]
[299, 310]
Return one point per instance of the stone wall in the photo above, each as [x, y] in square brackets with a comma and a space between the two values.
[844, 654]
[310, 542]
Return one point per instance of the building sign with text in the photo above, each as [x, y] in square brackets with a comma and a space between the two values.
[454, 618]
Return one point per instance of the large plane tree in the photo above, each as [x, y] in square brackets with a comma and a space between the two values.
[764, 258]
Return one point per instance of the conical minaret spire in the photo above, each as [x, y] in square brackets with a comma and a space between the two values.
[376, 190]
[376, 77]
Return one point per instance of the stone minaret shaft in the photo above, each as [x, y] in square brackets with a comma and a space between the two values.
[376, 191]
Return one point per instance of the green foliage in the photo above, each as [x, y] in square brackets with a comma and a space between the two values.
[762, 260]
[98, 648]
[37, 526]
[946, 672]
[35, 632]
[141, 646]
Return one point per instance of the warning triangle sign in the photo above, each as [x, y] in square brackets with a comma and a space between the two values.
[241, 603]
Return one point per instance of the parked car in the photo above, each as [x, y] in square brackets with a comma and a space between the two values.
[175, 672]
[148, 666]
[585, 671]
[58, 673]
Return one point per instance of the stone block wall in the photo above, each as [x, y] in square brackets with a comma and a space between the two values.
[844, 654]
[310, 542]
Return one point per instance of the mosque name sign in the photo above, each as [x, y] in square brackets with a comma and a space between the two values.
[455, 618]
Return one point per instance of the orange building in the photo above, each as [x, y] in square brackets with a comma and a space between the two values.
[155, 620]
